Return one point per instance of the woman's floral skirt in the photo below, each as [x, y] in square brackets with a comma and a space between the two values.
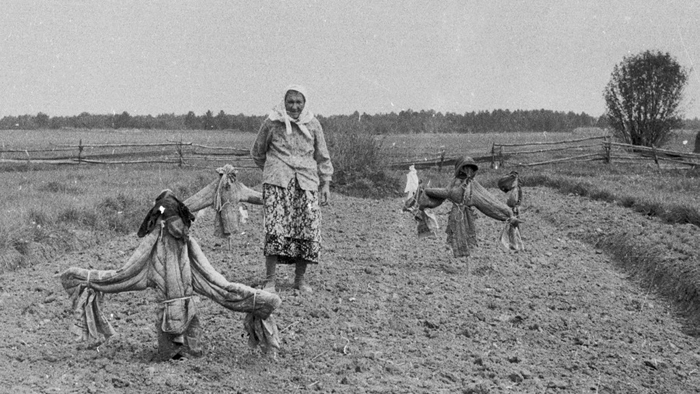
[292, 223]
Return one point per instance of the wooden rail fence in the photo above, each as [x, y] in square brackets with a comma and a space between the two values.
[182, 153]
[530, 154]
[172, 152]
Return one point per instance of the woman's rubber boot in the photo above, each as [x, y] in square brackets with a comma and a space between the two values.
[270, 274]
[299, 281]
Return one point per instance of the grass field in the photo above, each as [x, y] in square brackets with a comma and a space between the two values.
[44, 207]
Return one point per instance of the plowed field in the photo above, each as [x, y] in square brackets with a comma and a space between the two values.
[389, 313]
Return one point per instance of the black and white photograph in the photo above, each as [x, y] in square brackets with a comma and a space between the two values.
[305, 196]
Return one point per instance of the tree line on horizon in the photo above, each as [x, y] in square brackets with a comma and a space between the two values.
[404, 122]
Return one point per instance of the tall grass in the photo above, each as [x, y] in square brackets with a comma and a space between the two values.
[358, 160]
[57, 210]
[673, 195]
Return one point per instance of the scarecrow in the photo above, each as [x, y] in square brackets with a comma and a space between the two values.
[465, 193]
[171, 262]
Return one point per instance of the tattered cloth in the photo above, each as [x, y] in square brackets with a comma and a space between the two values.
[427, 224]
[510, 184]
[173, 264]
[226, 218]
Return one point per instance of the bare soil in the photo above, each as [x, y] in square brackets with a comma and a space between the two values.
[390, 313]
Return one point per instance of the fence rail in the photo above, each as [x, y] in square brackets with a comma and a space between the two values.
[182, 153]
[172, 152]
[600, 148]
[554, 142]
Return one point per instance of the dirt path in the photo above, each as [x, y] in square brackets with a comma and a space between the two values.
[390, 313]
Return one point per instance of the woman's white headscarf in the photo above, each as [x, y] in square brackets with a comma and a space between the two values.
[279, 112]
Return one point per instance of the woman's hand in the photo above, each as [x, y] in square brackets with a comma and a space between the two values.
[325, 194]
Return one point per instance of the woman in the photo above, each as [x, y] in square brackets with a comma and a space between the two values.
[465, 193]
[291, 150]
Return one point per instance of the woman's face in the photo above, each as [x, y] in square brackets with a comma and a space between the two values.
[294, 103]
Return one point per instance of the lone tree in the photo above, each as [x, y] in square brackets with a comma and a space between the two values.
[643, 98]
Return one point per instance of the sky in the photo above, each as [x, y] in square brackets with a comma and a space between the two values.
[66, 57]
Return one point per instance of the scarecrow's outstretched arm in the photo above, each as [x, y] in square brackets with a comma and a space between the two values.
[202, 198]
[249, 195]
[86, 288]
[431, 197]
[132, 276]
[488, 204]
[207, 196]
[207, 281]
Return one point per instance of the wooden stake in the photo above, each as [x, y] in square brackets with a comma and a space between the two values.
[179, 151]
[500, 156]
[656, 159]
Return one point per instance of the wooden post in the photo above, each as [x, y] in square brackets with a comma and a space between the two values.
[500, 156]
[493, 155]
[656, 159]
[179, 151]
[607, 146]
[442, 159]
[80, 151]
